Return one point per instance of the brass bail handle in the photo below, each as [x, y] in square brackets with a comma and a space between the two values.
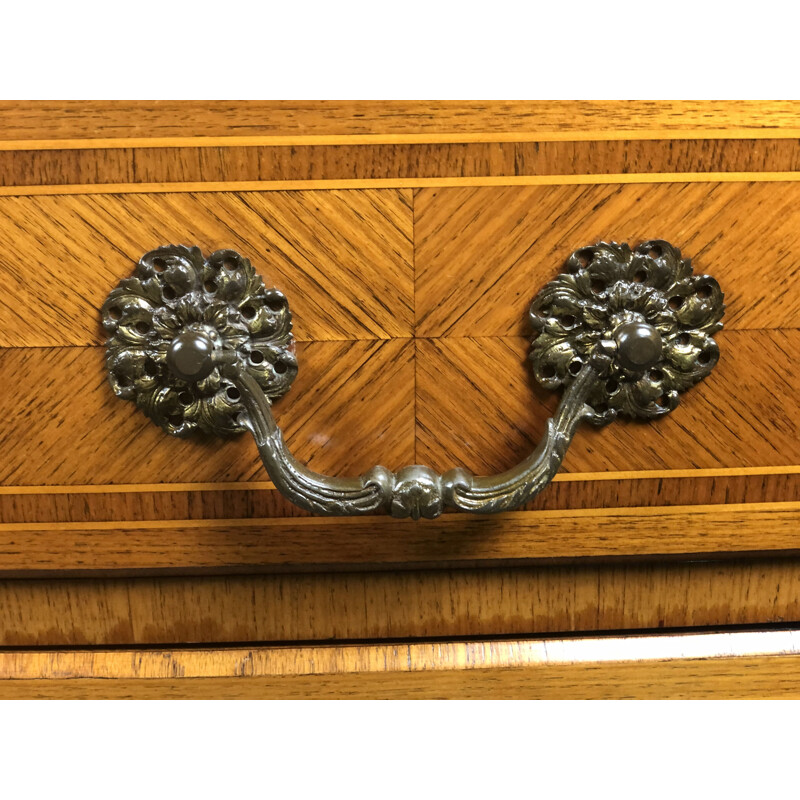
[202, 344]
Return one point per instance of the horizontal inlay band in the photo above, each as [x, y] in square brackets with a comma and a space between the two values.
[564, 477]
[378, 520]
[400, 138]
[259, 544]
[402, 183]
[65, 167]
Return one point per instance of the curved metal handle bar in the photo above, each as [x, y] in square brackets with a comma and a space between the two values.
[202, 344]
[415, 491]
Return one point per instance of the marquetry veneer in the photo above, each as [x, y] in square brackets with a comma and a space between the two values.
[410, 241]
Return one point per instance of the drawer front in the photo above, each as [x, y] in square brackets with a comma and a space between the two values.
[409, 240]
[409, 266]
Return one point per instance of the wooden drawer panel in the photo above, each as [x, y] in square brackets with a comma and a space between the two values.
[344, 259]
[410, 240]
[745, 415]
[64, 426]
[482, 253]
[409, 280]
[358, 403]
[359, 606]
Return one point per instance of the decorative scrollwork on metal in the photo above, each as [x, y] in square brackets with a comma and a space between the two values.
[175, 292]
[415, 491]
[608, 291]
[202, 344]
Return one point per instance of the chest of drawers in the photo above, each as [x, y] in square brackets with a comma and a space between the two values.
[410, 240]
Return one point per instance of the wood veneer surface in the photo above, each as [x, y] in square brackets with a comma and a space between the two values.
[409, 304]
[733, 665]
[270, 543]
[155, 165]
[389, 265]
[481, 253]
[343, 258]
[352, 405]
[397, 605]
[142, 119]
[391, 402]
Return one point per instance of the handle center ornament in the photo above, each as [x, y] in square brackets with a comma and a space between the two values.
[202, 344]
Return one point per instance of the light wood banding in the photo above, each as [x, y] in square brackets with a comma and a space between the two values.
[236, 501]
[141, 122]
[733, 665]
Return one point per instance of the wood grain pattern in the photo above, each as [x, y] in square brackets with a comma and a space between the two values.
[355, 404]
[397, 605]
[27, 168]
[343, 258]
[346, 184]
[151, 120]
[745, 414]
[482, 254]
[351, 407]
[764, 664]
[239, 501]
[78, 438]
[252, 545]
[349, 263]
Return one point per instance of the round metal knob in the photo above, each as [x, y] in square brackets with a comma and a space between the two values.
[638, 346]
[190, 356]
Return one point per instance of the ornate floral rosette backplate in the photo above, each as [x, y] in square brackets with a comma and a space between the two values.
[607, 286]
[175, 290]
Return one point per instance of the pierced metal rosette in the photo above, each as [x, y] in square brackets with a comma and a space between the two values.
[642, 313]
[177, 297]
